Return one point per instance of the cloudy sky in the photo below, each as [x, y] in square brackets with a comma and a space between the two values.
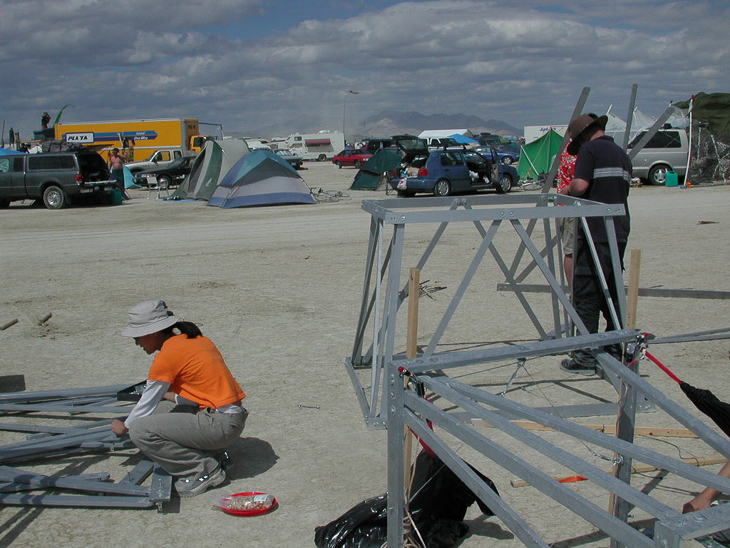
[250, 64]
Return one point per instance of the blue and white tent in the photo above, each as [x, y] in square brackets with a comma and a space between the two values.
[261, 178]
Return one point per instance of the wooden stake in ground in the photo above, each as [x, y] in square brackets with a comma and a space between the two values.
[414, 290]
[632, 296]
[624, 424]
[7, 324]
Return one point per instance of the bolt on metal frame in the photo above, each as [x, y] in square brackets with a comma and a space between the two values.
[387, 403]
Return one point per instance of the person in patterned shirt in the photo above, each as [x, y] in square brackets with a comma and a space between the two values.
[567, 224]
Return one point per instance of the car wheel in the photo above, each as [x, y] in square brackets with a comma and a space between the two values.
[54, 197]
[339, 165]
[163, 181]
[357, 164]
[504, 184]
[406, 193]
[506, 160]
[4, 204]
[658, 175]
[321, 157]
[442, 188]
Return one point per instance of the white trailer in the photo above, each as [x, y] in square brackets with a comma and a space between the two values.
[533, 133]
[320, 146]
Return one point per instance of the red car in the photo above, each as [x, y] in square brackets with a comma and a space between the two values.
[354, 158]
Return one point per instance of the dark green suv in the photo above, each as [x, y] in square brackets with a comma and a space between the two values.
[57, 178]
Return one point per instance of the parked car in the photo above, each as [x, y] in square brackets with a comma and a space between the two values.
[442, 172]
[57, 179]
[168, 175]
[666, 151]
[354, 158]
[508, 154]
[294, 160]
[508, 176]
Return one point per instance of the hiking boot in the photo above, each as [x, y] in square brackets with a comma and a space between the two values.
[193, 487]
[572, 366]
[224, 459]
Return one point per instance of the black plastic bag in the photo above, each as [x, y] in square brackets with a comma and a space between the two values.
[365, 525]
[438, 504]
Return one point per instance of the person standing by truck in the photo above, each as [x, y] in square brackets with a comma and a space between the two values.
[116, 167]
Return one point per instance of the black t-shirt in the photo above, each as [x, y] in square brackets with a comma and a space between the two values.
[607, 168]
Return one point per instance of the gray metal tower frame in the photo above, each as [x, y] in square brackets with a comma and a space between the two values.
[384, 379]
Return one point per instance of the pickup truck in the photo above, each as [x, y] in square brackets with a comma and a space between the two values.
[666, 151]
[56, 178]
[158, 158]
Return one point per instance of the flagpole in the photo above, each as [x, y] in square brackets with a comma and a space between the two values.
[344, 103]
[689, 146]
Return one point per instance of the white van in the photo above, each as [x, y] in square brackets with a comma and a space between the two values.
[666, 151]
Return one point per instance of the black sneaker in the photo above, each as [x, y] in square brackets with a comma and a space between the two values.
[572, 366]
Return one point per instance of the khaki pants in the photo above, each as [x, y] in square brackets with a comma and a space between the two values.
[184, 440]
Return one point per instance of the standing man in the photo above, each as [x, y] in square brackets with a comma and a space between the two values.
[116, 166]
[602, 174]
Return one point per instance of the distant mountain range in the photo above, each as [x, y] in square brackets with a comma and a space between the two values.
[387, 123]
[391, 122]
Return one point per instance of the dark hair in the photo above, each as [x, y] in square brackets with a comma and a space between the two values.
[186, 328]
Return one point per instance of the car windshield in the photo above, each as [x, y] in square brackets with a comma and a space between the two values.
[178, 161]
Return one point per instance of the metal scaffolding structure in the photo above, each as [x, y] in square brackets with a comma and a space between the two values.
[388, 384]
[21, 487]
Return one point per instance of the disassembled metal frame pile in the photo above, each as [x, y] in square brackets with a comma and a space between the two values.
[389, 402]
[19, 487]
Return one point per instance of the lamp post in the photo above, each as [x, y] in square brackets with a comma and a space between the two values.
[344, 104]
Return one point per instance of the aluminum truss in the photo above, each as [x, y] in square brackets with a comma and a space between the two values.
[389, 402]
[384, 293]
[19, 487]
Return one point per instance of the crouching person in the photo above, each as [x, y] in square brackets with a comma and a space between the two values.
[205, 415]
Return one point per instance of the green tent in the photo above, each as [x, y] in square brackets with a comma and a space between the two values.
[370, 174]
[713, 108]
[209, 168]
[537, 157]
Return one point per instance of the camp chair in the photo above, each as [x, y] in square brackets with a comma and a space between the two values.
[154, 185]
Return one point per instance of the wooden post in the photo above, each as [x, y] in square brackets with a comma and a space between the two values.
[625, 421]
[414, 289]
[632, 296]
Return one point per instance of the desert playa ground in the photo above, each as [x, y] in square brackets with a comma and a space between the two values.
[278, 289]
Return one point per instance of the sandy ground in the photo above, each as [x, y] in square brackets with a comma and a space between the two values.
[278, 289]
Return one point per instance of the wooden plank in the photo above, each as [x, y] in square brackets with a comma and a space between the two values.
[642, 468]
[605, 428]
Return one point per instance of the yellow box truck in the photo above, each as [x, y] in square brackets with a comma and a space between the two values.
[146, 143]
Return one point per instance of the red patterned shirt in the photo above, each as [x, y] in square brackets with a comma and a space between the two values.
[566, 169]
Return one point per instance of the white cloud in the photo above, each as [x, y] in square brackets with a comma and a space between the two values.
[521, 62]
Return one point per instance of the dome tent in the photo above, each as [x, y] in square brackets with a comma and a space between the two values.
[209, 168]
[261, 178]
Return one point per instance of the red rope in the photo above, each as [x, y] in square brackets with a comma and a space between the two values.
[664, 368]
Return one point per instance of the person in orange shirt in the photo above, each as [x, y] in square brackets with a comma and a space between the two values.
[206, 416]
